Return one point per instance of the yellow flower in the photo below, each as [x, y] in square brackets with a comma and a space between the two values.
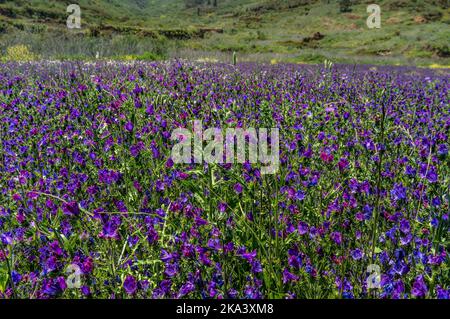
[20, 53]
[439, 66]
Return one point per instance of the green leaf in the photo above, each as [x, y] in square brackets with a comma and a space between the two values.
[4, 276]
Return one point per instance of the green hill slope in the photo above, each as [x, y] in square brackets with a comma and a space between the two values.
[412, 32]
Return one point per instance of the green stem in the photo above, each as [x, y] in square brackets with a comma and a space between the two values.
[10, 274]
[379, 167]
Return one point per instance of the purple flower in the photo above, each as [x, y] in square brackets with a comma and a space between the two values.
[51, 287]
[302, 228]
[6, 238]
[129, 126]
[442, 150]
[406, 239]
[410, 171]
[256, 266]
[112, 159]
[233, 293]
[169, 163]
[186, 289]
[249, 256]
[16, 277]
[166, 256]
[300, 195]
[71, 208]
[110, 230]
[136, 149]
[367, 210]
[419, 288]
[405, 226]
[428, 172]
[222, 207]
[289, 277]
[171, 270]
[436, 202]
[130, 285]
[336, 237]
[85, 290]
[108, 176]
[442, 293]
[238, 188]
[398, 289]
[357, 254]
[343, 164]
[398, 192]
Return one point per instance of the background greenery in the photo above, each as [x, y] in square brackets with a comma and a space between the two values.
[305, 31]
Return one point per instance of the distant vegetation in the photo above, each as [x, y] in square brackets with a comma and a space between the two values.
[413, 32]
[200, 3]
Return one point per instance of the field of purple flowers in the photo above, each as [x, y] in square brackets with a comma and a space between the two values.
[87, 182]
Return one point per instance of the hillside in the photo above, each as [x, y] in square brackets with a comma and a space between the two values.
[412, 32]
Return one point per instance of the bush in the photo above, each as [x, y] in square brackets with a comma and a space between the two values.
[345, 6]
[433, 15]
[3, 28]
[19, 53]
[150, 56]
[147, 56]
[312, 58]
[37, 28]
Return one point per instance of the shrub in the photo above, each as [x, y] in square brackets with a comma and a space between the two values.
[3, 28]
[345, 6]
[150, 56]
[19, 53]
[432, 15]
